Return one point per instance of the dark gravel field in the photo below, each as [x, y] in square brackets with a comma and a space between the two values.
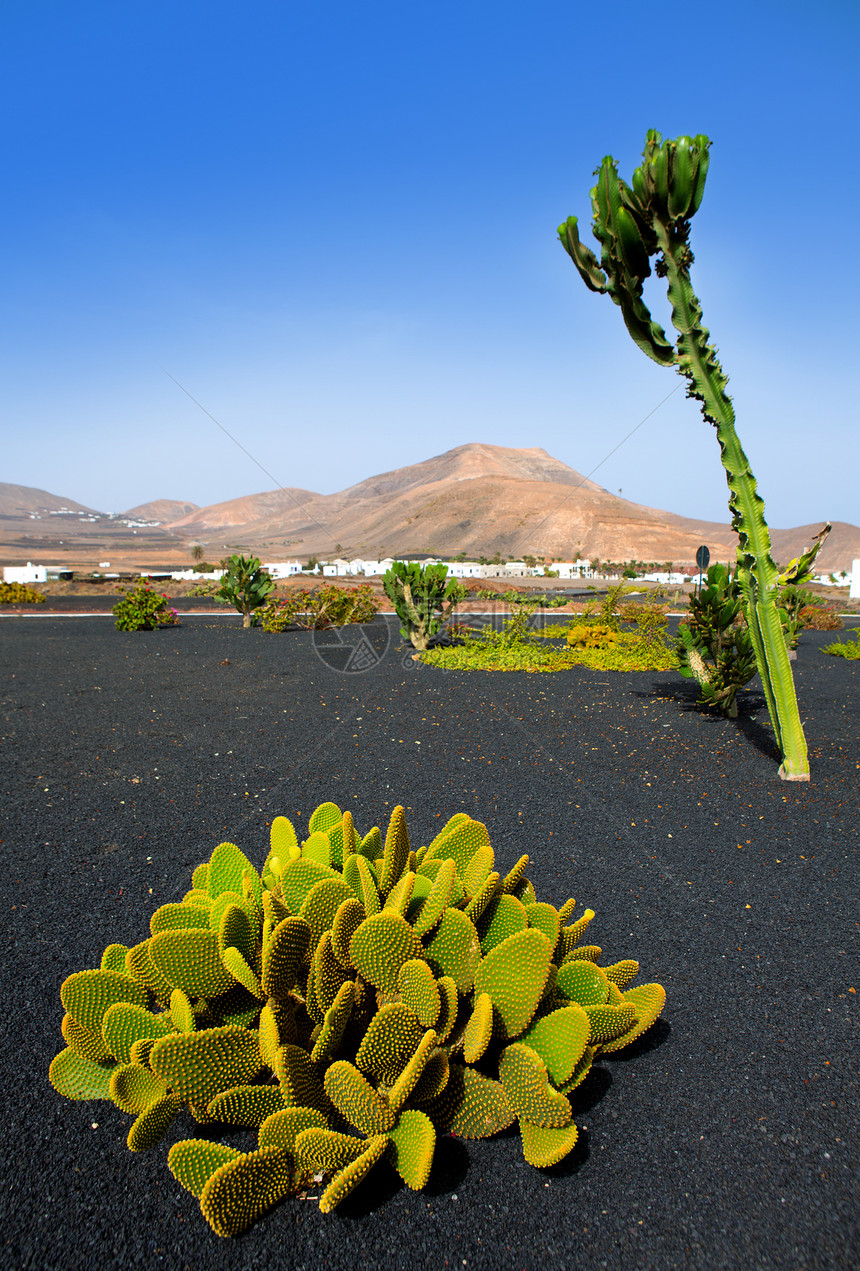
[727, 1137]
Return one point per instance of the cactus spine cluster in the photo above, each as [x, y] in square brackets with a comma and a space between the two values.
[350, 1002]
[649, 218]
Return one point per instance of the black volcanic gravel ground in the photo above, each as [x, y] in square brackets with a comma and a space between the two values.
[728, 1139]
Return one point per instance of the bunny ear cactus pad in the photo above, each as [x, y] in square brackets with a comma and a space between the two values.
[351, 986]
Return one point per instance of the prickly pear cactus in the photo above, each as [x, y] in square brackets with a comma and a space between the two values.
[351, 1002]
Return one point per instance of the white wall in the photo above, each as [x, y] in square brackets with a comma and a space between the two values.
[25, 573]
[854, 588]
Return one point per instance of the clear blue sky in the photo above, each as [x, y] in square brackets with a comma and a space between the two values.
[334, 224]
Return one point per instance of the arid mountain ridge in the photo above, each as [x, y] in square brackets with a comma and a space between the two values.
[478, 499]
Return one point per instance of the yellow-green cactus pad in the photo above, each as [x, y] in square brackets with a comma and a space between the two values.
[543, 1146]
[411, 1074]
[324, 818]
[139, 965]
[175, 917]
[190, 960]
[380, 946]
[355, 1098]
[274, 908]
[503, 917]
[87, 995]
[281, 1129]
[153, 1123]
[86, 1041]
[192, 1162]
[225, 901]
[411, 1145]
[471, 1105]
[354, 1173]
[438, 898]
[241, 1190]
[545, 918]
[300, 1079]
[246, 1105]
[327, 1150]
[76, 1077]
[113, 958]
[479, 1030]
[514, 974]
[609, 1022]
[140, 1050]
[446, 829]
[361, 878]
[197, 1066]
[454, 949]
[371, 845]
[419, 991]
[648, 1001]
[237, 931]
[347, 920]
[391, 1040]
[459, 842]
[481, 899]
[181, 1013]
[200, 898]
[524, 1077]
[134, 1088]
[560, 1039]
[242, 973]
[622, 973]
[286, 953]
[401, 893]
[343, 840]
[478, 870]
[270, 1036]
[421, 889]
[282, 837]
[329, 976]
[583, 982]
[318, 848]
[515, 876]
[334, 1024]
[583, 953]
[124, 1023]
[581, 1071]
[433, 1079]
[395, 855]
[567, 910]
[299, 877]
[571, 936]
[450, 1007]
[322, 903]
[227, 867]
[200, 877]
[616, 997]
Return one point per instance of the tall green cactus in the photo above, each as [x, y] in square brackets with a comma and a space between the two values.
[423, 597]
[653, 219]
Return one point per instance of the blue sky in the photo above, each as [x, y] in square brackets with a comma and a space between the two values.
[335, 226]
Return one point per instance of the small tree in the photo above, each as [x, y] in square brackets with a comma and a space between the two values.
[246, 585]
[197, 552]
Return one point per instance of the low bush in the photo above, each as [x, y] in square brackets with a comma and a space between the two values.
[351, 1002]
[19, 594]
[845, 648]
[314, 609]
[821, 618]
[144, 609]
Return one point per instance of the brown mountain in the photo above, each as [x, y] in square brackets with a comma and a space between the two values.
[478, 499]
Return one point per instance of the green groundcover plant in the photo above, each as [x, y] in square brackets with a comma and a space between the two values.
[347, 1004]
[844, 648]
[144, 609]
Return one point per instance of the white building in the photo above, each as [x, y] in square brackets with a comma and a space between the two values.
[28, 573]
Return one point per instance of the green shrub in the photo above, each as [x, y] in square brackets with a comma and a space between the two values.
[245, 585]
[292, 1003]
[845, 648]
[19, 594]
[423, 597]
[320, 607]
[591, 635]
[143, 610]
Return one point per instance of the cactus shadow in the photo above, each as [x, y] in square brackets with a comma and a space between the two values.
[657, 1035]
[451, 1163]
[752, 708]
